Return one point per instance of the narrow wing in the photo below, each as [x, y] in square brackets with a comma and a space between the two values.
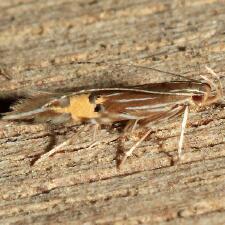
[123, 105]
[30, 108]
[107, 105]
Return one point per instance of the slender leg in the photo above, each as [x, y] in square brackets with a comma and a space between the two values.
[161, 118]
[129, 153]
[57, 148]
[53, 151]
[134, 126]
[60, 147]
[130, 127]
[96, 127]
[183, 126]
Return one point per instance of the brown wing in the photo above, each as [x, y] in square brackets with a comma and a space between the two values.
[31, 108]
[134, 105]
[100, 105]
[178, 87]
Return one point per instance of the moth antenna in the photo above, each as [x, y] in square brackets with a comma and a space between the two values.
[138, 66]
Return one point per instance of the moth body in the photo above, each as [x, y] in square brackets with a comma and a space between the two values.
[109, 105]
[138, 105]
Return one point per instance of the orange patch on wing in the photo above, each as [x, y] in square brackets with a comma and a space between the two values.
[80, 107]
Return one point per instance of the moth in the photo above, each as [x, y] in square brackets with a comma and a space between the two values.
[136, 106]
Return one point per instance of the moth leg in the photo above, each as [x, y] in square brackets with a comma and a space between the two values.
[57, 148]
[54, 150]
[129, 152]
[169, 115]
[96, 129]
[161, 117]
[183, 126]
[134, 126]
[131, 126]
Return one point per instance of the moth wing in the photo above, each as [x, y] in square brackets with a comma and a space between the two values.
[30, 108]
[135, 105]
[32, 100]
[163, 116]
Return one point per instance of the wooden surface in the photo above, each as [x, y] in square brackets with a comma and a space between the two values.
[40, 42]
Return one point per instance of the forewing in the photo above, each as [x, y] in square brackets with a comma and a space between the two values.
[136, 105]
[30, 108]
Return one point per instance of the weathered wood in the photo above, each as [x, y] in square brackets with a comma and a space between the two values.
[40, 42]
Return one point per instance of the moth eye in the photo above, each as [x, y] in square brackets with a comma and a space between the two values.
[98, 108]
[197, 99]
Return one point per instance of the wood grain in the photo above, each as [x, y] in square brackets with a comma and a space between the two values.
[40, 43]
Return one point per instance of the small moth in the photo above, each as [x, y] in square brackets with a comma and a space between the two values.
[137, 106]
